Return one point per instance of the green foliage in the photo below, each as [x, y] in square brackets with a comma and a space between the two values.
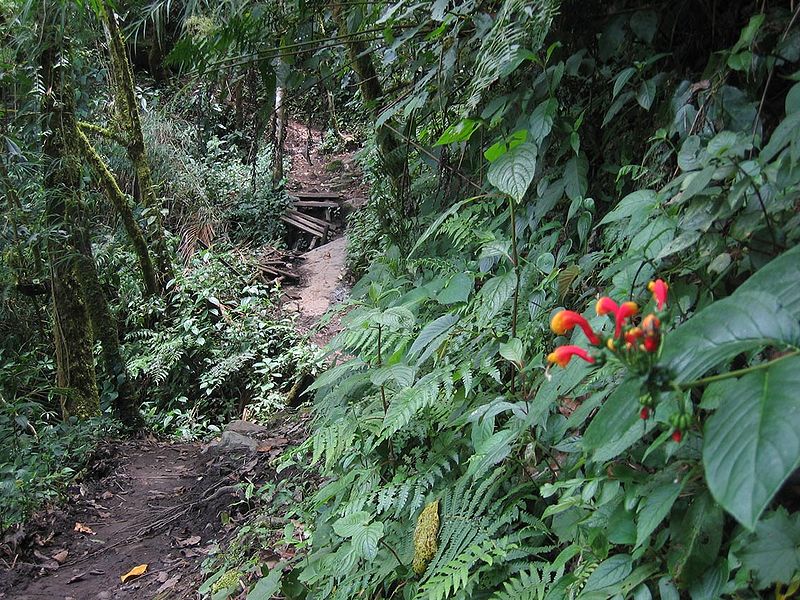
[607, 169]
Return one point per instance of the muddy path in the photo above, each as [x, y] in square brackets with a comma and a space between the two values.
[168, 506]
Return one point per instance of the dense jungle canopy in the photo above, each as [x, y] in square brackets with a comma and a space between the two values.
[417, 299]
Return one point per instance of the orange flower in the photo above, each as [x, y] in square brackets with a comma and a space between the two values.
[633, 334]
[650, 324]
[659, 289]
[626, 311]
[606, 305]
[562, 355]
[566, 320]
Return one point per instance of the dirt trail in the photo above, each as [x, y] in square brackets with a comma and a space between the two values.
[171, 505]
[167, 506]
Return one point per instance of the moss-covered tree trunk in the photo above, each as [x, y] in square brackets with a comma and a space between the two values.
[71, 326]
[130, 122]
[104, 327]
[371, 92]
[120, 203]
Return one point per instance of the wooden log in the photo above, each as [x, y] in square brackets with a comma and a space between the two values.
[309, 227]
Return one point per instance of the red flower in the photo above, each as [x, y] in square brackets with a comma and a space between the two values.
[677, 436]
[651, 343]
[565, 320]
[626, 310]
[650, 324]
[562, 355]
[606, 305]
[659, 289]
[633, 334]
[645, 413]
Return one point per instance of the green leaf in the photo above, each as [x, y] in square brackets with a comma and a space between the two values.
[497, 150]
[492, 450]
[623, 78]
[611, 571]
[744, 321]
[495, 293]
[752, 442]
[513, 350]
[697, 181]
[457, 289]
[349, 525]
[646, 94]
[396, 318]
[667, 589]
[773, 552]
[541, 121]
[433, 330]
[695, 539]
[513, 172]
[267, 586]
[635, 203]
[644, 24]
[616, 426]
[654, 508]
[779, 278]
[458, 132]
[575, 177]
[366, 539]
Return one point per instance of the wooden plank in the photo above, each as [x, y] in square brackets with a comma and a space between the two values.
[318, 195]
[313, 230]
[315, 204]
[313, 221]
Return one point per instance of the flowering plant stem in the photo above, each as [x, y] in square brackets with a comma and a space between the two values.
[731, 374]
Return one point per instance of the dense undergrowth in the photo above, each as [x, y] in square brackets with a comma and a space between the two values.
[569, 367]
[606, 154]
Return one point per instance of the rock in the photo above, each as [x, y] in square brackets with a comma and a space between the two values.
[245, 427]
[232, 441]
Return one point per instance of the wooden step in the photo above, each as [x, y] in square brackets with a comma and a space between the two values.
[316, 227]
[318, 195]
[315, 204]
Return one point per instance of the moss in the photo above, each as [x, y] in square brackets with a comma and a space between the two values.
[334, 166]
[230, 579]
[425, 537]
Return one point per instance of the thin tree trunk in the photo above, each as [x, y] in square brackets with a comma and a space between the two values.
[71, 326]
[280, 136]
[130, 122]
[371, 91]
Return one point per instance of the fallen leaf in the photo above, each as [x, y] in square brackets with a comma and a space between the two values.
[107, 495]
[77, 577]
[97, 572]
[134, 572]
[190, 541]
[168, 584]
[60, 556]
[45, 561]
[81, 528]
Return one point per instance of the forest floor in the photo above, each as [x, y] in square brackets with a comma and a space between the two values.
[170, 506]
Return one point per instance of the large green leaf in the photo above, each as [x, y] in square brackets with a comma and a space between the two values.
[773, 554]
[366, 539]
[742, 322]
[267, 586]
[752, 441]
[655, 507]
[617, 426]
[512, 172]
[779, 278]
[695, 539]
[432, 331]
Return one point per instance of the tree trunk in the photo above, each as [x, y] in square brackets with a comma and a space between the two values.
[280, 136]
[130, 122]
[120, 203]
[71, 327]
[104, 327]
